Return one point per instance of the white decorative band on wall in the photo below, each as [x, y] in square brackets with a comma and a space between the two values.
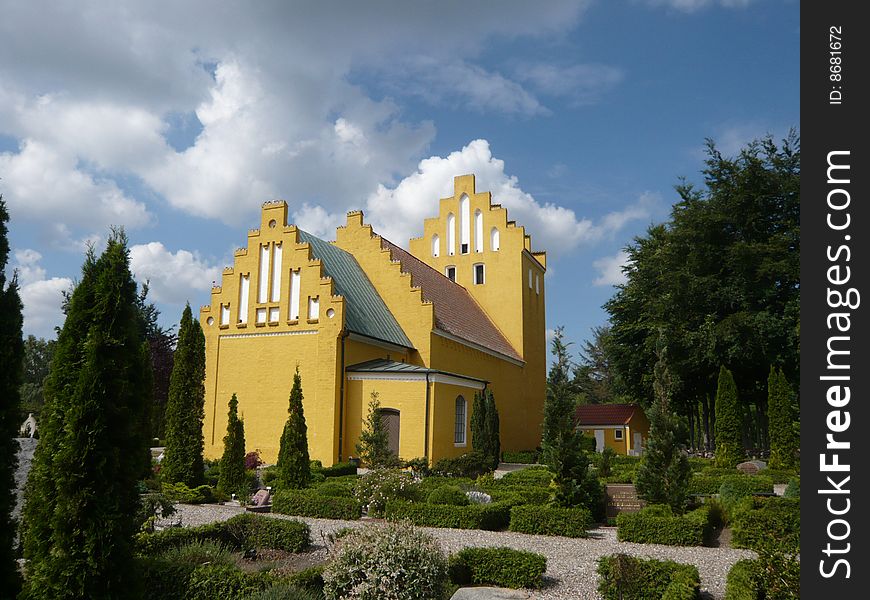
[434, 378]
[268, 334]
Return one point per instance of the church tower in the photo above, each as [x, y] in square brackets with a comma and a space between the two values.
[473, 242]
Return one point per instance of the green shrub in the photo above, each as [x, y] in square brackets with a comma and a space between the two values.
[179, 492]
[518, 495]
[339, 469]
[743, 582]
[335, 489]
[531, 476]
[656, 524]
[269, 476]
[208, 582]
[199, 552]
[623, 577]
[377, 487]
[492, 517]
[448, 494]
[768, 519]
[704, 485]
[163, 579]
[736, 487]
[310, 503]
[239, 533]
[393, 561]
[309, 579]
[471, 464]
[502, 567]
[284, 591]
[779, 475]
[433, 482]
[550, 520]
[793, 490]
[524, 457]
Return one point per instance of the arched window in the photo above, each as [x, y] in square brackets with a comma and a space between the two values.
[478, 231]
[464, 224]
[459, 428]
[436, 245]
[493, 239]
[451, 234]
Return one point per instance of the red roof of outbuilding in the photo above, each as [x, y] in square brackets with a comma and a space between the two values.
[605, 414]
[456, 312]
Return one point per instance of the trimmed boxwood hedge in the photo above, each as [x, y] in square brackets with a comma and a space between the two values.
[525, 457]
[502, 567]
[448, 494]
[743, 582]
[704, 485]
[539, 476]
[623, 577]
[517, 495]
[339, 470]
[492, 517]
[238, 533]
[768, 519]
[550, 520]
[735, 487]
[656, 524]
[309, 503]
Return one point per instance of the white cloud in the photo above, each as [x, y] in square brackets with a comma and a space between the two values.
[41, 297]
[582, 83]
[398, 212]
[610, 269]
[173, 277]
[690, 6]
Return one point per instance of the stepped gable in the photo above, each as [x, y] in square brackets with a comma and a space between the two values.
[365, 310]
[605, 414]
[456, 312]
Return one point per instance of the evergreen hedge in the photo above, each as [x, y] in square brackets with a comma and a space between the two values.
[339, 470]
[502, 567]
[524, 457]
[185, 407]
[448, 494]
[623, 577]
[550, 520]
[767, 520]
[656, 524]
[164, 580]
[743, 581]
[492, 517]
[309, 503]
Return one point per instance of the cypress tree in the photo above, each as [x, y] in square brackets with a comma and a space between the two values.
[491, 430]
[185, 407]
[479, 440]
[81, 494]
[729, 435]
[664, 472]
[11, 376]
[294, 465]
[232, 479]
[781, 428]
[374, 439]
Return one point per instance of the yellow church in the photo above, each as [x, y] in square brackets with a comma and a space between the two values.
[461, 311]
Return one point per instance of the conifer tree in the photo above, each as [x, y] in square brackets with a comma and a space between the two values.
[374, 439]
[185, 407]
[491, 430]
[11, 376]
[479, 441]
[729, 436]
[784, 442]
[81, 494]
[294, 465]
[232, 478]
[664, 472]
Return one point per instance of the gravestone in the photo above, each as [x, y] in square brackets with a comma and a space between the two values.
[622, 498]
[751, 467]
[261, 498]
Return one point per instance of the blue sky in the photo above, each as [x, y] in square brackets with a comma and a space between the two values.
[178, 122]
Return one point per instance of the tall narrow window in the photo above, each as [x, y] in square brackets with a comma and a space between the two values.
[459, 427]
[530, 279]
[225, 314]
[244, 290]
[436, 245]
[450, 272]
[263, 278]
[537, 284]
[276, 274]
[493, 239]
[295, 280]
[451, 234]
[314, 308]
[478, 231]
[464, 224]
[478, 274]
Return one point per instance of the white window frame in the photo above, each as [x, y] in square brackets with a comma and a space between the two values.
[482, 272]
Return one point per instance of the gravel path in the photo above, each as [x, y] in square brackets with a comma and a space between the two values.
[571, 563]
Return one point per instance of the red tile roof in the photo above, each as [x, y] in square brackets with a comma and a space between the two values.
[456, 312]
[605, 414]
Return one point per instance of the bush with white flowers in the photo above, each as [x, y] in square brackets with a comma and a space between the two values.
[378, 486]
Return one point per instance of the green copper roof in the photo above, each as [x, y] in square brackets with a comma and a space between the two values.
[365, 312]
